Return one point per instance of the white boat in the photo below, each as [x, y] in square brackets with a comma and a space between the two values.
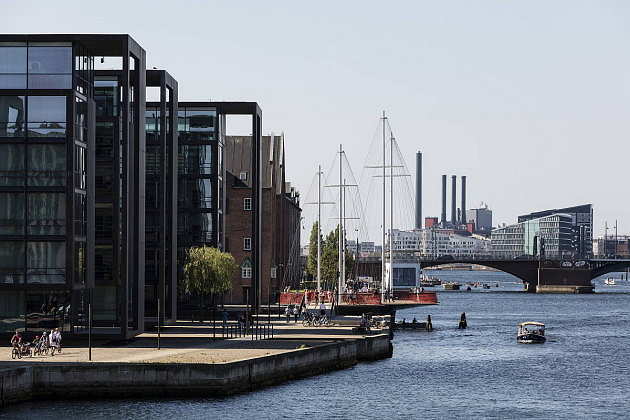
[609, 281]
[531, 332]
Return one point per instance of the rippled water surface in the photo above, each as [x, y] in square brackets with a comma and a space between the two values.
[581, 372]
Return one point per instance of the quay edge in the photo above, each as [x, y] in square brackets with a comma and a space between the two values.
[153, 380]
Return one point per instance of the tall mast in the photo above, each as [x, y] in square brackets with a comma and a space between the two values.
[340, 219]
[384, 209]
[343, 236]
[319, 228]
[391, 214]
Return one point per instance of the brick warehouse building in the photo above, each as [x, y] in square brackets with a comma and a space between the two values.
[280, 210]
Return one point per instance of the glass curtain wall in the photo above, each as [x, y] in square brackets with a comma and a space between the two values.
[37, 110]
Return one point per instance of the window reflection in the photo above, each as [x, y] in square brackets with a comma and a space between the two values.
[50, 67]
[46, 165]
[46, 262]
[12, 116]
[11, 262]
[46, 116]
[12, 67]
[46, 214]
[11, 165]
[12, 213]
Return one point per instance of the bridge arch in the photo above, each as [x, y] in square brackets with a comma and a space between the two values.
[525, 270]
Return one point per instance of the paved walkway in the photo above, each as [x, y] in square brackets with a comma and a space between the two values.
[187, 342]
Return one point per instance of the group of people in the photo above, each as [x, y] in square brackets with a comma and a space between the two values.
[298, 311]
[50, 339]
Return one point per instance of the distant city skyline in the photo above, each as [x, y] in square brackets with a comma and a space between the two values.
[530, 100]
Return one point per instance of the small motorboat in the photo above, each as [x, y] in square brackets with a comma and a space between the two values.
[609, 281]
[429, 281]
[531, 332]
[451, 286]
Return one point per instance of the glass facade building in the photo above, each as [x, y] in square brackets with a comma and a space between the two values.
[99, 201]
[51, 263]
[551, 237]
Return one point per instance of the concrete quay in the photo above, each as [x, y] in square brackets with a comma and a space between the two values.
[186, 366]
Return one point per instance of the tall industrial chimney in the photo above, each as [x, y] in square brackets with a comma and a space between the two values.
[454, 200]
[443, 220]
[464, 218]
[419, 190]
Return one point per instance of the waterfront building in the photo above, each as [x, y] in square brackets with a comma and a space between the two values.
[553, 236]
[280, 257]
[48, 188]
[582, 224]
[101, 193]
[437, 242]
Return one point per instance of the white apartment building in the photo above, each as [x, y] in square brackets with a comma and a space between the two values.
[434, 243]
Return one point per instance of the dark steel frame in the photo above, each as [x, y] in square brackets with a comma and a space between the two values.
[168, 186]
[132, 229]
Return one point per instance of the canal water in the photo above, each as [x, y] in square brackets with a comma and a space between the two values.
[481, 372]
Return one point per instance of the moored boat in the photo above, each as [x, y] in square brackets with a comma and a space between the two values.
[609, 281]
[429, 281]
[451, 286]
[531, 332]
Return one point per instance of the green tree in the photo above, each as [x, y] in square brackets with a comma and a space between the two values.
[208, 271]
[330, 260]
[311, 263]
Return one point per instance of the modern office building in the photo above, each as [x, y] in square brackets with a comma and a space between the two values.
[202, 188]
[101, 193]
[581, 221]
[552, 236]
[47, 184]
[280, 257]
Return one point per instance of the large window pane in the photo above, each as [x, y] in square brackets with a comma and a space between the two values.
[11, 213]
[12, 116]
[49, 81]
[11, 310]
[46, 165]
[12, 81]
[202, 227]
[47, 108]
[11, 262]
[200, 120]
[46, 214]
[46, 262]
[12, 171]
[12, 59]
[106, 97]
[50, 60]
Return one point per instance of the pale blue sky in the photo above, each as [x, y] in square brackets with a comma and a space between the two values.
[529, 99]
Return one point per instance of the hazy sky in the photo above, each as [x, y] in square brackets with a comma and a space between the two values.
[529, 99]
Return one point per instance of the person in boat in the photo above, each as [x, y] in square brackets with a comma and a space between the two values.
[415, 321]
